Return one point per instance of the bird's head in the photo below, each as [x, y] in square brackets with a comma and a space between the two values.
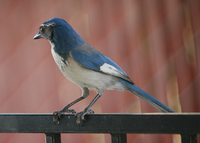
[59, 33]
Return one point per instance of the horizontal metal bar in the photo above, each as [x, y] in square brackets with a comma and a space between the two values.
[161, 123]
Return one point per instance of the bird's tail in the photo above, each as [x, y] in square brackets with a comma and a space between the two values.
[146, 97]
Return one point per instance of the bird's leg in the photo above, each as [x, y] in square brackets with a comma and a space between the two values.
[57, 115]
[81, 115]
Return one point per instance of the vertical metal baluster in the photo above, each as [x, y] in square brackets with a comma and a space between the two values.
[118, 138]
[188, 138]
[53, 138]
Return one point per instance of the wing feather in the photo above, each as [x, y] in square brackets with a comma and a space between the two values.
[90, 58]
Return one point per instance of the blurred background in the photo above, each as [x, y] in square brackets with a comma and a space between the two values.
[156, 42]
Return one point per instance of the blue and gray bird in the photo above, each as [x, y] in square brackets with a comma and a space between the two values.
[87, 67]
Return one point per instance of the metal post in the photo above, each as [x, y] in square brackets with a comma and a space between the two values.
[118, 138]
[53, 138]
[188, 138]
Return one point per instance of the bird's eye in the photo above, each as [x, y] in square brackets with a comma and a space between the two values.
[42, 29]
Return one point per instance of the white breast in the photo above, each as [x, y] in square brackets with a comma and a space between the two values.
[84, 77]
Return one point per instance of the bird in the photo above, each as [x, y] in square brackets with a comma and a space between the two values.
[87, 67]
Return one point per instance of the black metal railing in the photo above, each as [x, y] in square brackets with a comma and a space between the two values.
[118, 125]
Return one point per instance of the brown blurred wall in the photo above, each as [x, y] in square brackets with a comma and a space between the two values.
[157, 43]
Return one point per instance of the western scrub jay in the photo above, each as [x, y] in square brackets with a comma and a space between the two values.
[87, 67]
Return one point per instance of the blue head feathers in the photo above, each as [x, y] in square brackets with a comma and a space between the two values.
[60, 34]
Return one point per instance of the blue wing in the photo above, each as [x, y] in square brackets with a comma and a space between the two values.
[92, 59]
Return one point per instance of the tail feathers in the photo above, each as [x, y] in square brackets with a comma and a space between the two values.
[150, 99]
[146, 97]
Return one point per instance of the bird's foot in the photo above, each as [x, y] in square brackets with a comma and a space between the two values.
[80, 117]
[57, 115]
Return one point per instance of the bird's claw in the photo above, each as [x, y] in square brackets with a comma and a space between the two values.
[80, 117]
[70, 111]
[57, 115]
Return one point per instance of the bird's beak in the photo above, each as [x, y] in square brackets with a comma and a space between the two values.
[37, 36]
